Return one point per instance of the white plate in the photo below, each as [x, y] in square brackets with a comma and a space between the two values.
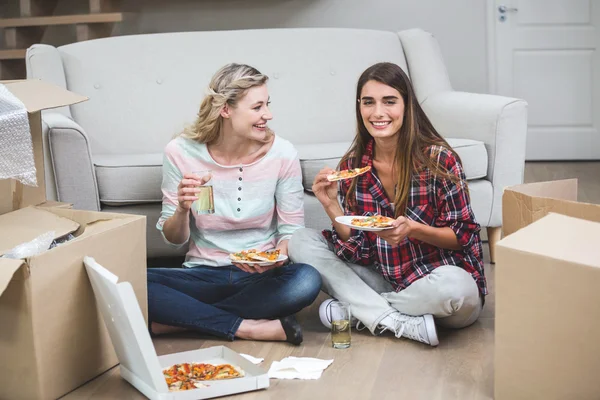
[282, 257]
[346, 220]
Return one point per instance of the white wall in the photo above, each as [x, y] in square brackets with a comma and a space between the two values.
[459, 25]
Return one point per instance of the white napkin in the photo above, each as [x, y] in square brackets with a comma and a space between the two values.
[298, 368]
[253, 360]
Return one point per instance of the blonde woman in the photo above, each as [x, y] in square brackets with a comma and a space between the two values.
[428, 268]
[258, 204]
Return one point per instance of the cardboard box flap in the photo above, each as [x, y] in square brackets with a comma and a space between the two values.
[38, 95]
[564, 189]
[8, 267]
[524, 204]
[560, 237]
[26, 224]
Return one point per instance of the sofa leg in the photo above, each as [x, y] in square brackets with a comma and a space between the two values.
[494, 234]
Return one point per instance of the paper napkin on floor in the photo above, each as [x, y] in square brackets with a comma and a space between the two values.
[298, 368]
[253, 360]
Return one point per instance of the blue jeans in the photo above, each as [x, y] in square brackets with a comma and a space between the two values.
[215, 300]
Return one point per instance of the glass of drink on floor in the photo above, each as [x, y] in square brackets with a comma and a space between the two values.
[340, 324]
[206, 201]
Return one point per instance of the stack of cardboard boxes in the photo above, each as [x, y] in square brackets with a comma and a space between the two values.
[52, 337]
[547, 325]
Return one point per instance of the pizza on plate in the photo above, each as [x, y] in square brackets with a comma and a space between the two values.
[254, 255]
[188, 376]
[374, 221]
[347, 173]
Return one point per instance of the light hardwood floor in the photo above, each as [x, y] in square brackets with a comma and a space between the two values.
[381, 368]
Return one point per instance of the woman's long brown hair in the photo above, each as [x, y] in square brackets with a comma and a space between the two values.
[416, 135]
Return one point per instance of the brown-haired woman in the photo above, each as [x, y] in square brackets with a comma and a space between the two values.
[428, 268]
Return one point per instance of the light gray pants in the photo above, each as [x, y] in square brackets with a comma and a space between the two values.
[449, 293]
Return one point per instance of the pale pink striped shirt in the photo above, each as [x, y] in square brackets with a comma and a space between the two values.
[257, 205]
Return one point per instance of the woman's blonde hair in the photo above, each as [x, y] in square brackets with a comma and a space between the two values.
[228, 85]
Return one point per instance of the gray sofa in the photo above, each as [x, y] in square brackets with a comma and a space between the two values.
[106, 153]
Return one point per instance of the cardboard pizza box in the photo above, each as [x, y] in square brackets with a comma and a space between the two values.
[52, 338]
[140, 365]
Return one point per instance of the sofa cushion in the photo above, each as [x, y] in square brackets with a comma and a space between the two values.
[129, 178]
[315, 157]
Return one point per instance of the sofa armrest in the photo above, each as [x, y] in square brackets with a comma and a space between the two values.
[499, 122]
[71, 161]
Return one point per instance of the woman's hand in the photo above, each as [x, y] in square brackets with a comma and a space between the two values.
[187, 190]
[249, 268]
[325, 191]
[403, 227]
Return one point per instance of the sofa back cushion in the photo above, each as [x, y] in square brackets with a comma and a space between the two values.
[143, 89]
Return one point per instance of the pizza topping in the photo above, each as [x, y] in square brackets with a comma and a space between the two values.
[187, 376]
[348, 173]
[255, 255]
[374, 221]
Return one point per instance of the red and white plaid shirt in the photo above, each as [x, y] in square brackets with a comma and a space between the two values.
[433, 201]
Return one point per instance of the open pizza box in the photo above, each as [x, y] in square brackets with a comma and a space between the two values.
[140, 364]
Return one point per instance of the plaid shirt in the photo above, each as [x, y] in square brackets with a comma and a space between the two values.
[433, 201]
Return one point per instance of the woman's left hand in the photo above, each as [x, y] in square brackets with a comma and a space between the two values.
[402, 229]
[266, 268]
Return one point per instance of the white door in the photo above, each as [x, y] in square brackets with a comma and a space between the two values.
[545, 52]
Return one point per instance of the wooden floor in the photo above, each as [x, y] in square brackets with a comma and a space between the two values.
[381, 368]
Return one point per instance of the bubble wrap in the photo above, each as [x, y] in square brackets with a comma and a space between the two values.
[16, 149]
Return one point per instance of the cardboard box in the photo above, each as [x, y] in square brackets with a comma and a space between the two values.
[52, 338]
[36, 96]
[547, 283]
[140, 365]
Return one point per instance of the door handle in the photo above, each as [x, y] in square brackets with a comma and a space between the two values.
[503, 9]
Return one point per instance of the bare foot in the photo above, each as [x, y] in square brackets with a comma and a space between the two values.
[159, 329]
[261, 330]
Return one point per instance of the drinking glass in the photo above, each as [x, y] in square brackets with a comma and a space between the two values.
[206, 201]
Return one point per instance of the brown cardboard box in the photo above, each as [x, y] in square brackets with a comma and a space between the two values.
[53, 338]
[36, 96]
[548, 295]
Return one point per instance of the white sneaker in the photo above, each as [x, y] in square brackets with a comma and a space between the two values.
[422, 328]
[325, 313]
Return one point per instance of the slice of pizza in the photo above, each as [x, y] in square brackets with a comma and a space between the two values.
[189, 376]
[254, 255]
[228, 371]
[374, 221]
[244, 255]
[348, 173]
[269, 255]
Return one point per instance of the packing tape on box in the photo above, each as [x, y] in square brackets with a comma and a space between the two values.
[16, 148]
